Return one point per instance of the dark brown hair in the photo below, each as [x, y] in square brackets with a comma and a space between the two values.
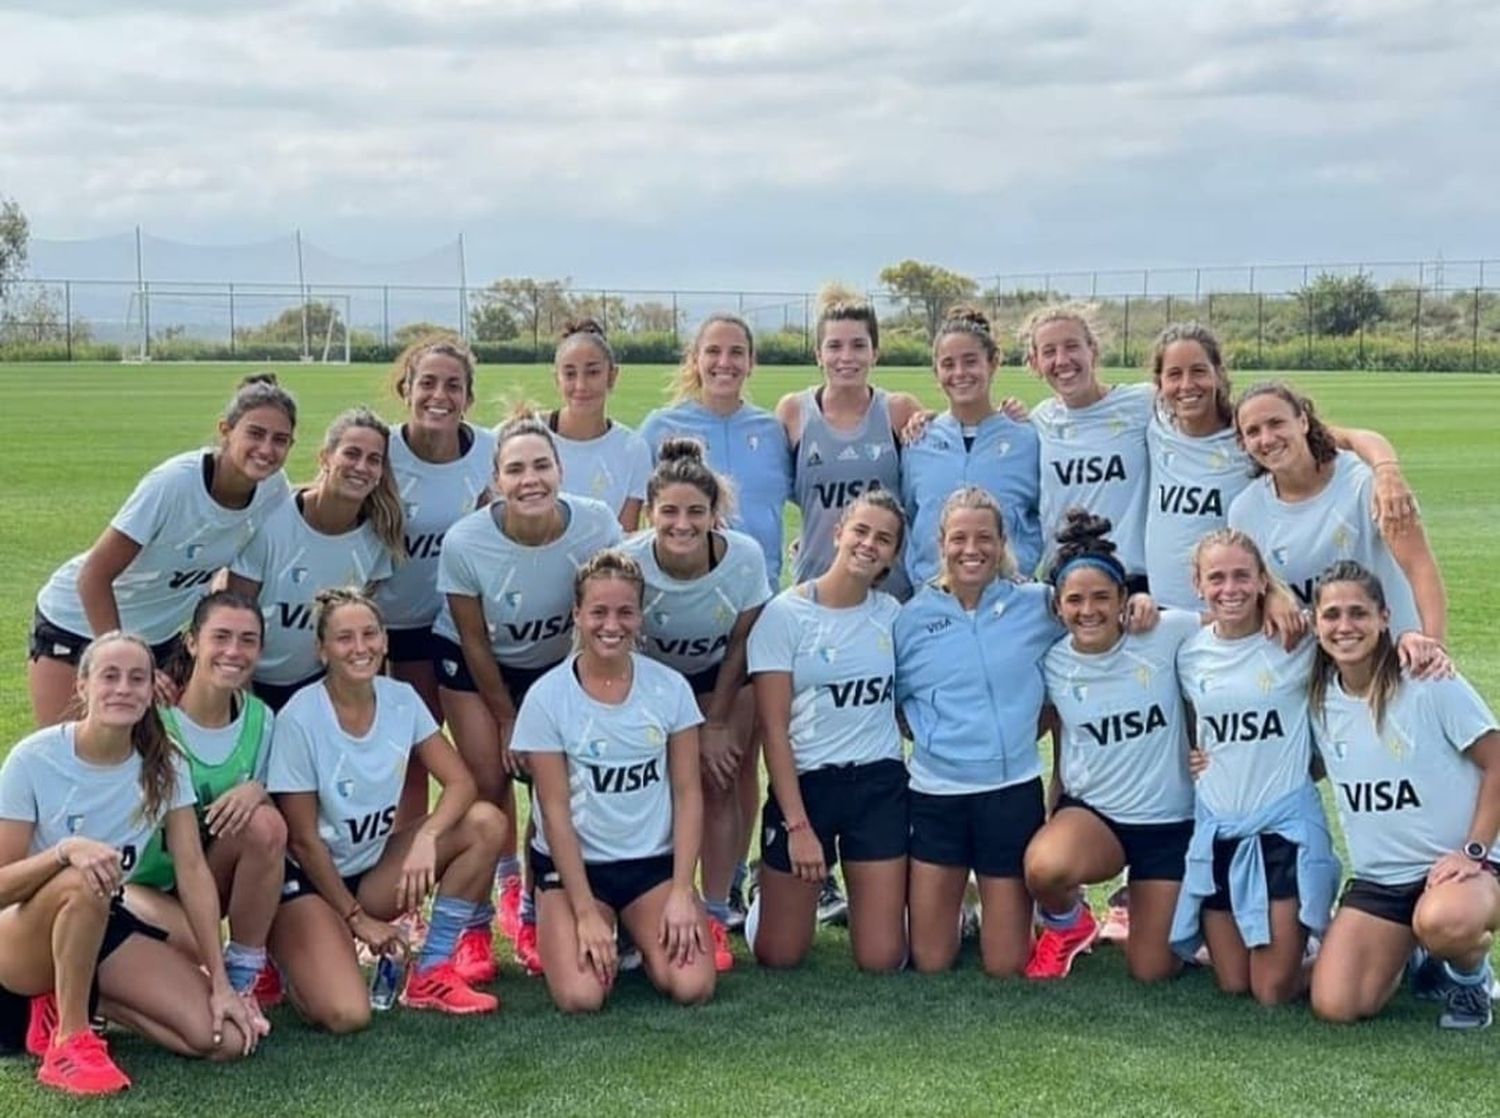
[1320, 442]
[1387, 674]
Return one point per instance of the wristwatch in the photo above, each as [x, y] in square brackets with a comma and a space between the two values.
[1476, 851]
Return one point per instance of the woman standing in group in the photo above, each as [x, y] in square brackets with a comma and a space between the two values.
[705, 587]
[601, 458]
[1198, 467]
[78, 804]
[1310, 507]
[842, 433]
[224, 734]
[442, 465]
[186, 519]
[1261, 873]
[345, 529]
[612, 741]
[1122, 797]
[967, 648]
[338, 763]
[823, 666]
[972, 443]
[1415, 767]
[741, 442]
[506, 575]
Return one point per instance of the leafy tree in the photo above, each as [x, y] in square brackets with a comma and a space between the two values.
[537, 307]
[928, 290]
[286, 328]
[491, 319]
[416, 331]
[1343, 305]
[15, 232]
[652, 317]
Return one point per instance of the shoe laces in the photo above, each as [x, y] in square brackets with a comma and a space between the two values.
[1469, 999]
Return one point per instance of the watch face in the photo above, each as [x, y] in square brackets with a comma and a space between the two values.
[1475, 850]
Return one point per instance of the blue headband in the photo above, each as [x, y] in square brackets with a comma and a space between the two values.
[1106, 563]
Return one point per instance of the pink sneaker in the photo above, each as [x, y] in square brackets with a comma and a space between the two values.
[474, 957]
[508, 911]
[1053, 955]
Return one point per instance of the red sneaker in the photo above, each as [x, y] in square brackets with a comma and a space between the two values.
[508, 911]
[80, 1065]
[474, 957]
[723, 956]
[268, 989]
[1053, 955]
[441, 987]
[527, 953]
[41, 1027]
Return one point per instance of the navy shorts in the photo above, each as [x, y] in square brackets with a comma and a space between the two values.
[295, 884]
[1280, 857]
[617, 884]
[704, 682]
[986, 832]
[1396, 903]
[858, 812]
[1153, 851]
[403, 646]
[277, 695]
[453, 672]
[15, 1009]
[51, 642]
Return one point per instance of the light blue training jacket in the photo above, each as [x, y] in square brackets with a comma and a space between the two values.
[970, 684]
[1298, 818]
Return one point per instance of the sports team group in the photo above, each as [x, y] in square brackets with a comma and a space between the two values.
[249, 692]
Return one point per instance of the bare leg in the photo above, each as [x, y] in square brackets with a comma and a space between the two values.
[788, 918]
[50, 941]
[937, 895]
[52, 684]
[574, 988]
[877, 913]
[692, 984]
[1004, 926]
[315, 950]
[1359, 966]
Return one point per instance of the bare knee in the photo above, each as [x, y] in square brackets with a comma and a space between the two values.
[231, 1046]
[1270, 990]
[485, 824]
[880, 958]
[1157, 968]
[779, 956]
[343, 1018]
[578, 997]
[265, 833]
[78, 895]
[929, 958]
[1047, 870]
[1232, 981]
[1335, 1008]
[1449, 929]
[692, 985]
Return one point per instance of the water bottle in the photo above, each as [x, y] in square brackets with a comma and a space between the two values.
[386, 977]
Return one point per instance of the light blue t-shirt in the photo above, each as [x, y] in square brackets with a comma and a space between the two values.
[44, 782]
[620, 789]
[1095, 458]
[686, 623]
[843, 668]
[1003, 459]
[1406, 791]
[748, 447]
[1249, 697]
[1124, 725]
[1193, 483]
[526, 592]
[612, 468]
[1301, 539]
[358, 780]
[970, 685]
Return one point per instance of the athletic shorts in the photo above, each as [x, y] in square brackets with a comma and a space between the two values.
[15, 1009]
[453, 672]
[704, 682]
[1137, 584]
[986, 832]
[858, 812]
[1396, 903]
[295, 884]
[1280, 857]
[276, 695]
[49, 642]
[404, 646]
[1153, 851]
[617, 884]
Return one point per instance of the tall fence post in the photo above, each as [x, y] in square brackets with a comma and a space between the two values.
[1416, 331]
[68, 315]
[676, 341]
[1125, 356]
[385, 314]
[146, 318]
[231, 322]
[1475, 360]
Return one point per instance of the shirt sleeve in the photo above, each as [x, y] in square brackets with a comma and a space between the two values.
[1458, 709]
[291, 768]
[263, 759]
[17, 794]
[638, 472]
[751, 582]
[1177, 625]
[536, 729]
[773, 641]
[183, 792]
[144, 512]
[456, 574]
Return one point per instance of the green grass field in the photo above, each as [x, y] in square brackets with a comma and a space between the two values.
[75, 439]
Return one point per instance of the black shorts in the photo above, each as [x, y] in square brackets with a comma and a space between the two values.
[405, 646]
[1396, 903]
[15, 1009]
[1153, 851]
[858, 812]
[276, 695]
[295, 884]
[1137, 584]
[986, 832]
[50, 642]
[453, 672]
[1280, 857]
[617, 884]
[704, 682]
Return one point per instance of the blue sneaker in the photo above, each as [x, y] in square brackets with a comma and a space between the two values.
[1467, 1004]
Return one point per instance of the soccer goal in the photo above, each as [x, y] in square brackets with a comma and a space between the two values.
[251, 322]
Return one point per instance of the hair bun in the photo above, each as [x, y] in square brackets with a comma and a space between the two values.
[1082, 531]
[681, 448]
[588, 324]
[838, 295]
[266, 377]
[969, 314]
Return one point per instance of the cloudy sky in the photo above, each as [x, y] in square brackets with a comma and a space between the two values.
[763, 144]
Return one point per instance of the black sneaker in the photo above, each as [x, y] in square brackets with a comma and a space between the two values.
[737, 909]
[1466, 1005]
[833, 908]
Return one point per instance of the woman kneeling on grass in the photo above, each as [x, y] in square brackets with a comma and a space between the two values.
[823, 664]
[1415, 766]
[78, 803]
[338, 762]
[612, 738]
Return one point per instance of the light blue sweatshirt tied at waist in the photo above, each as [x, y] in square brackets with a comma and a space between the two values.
[1298, 818]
